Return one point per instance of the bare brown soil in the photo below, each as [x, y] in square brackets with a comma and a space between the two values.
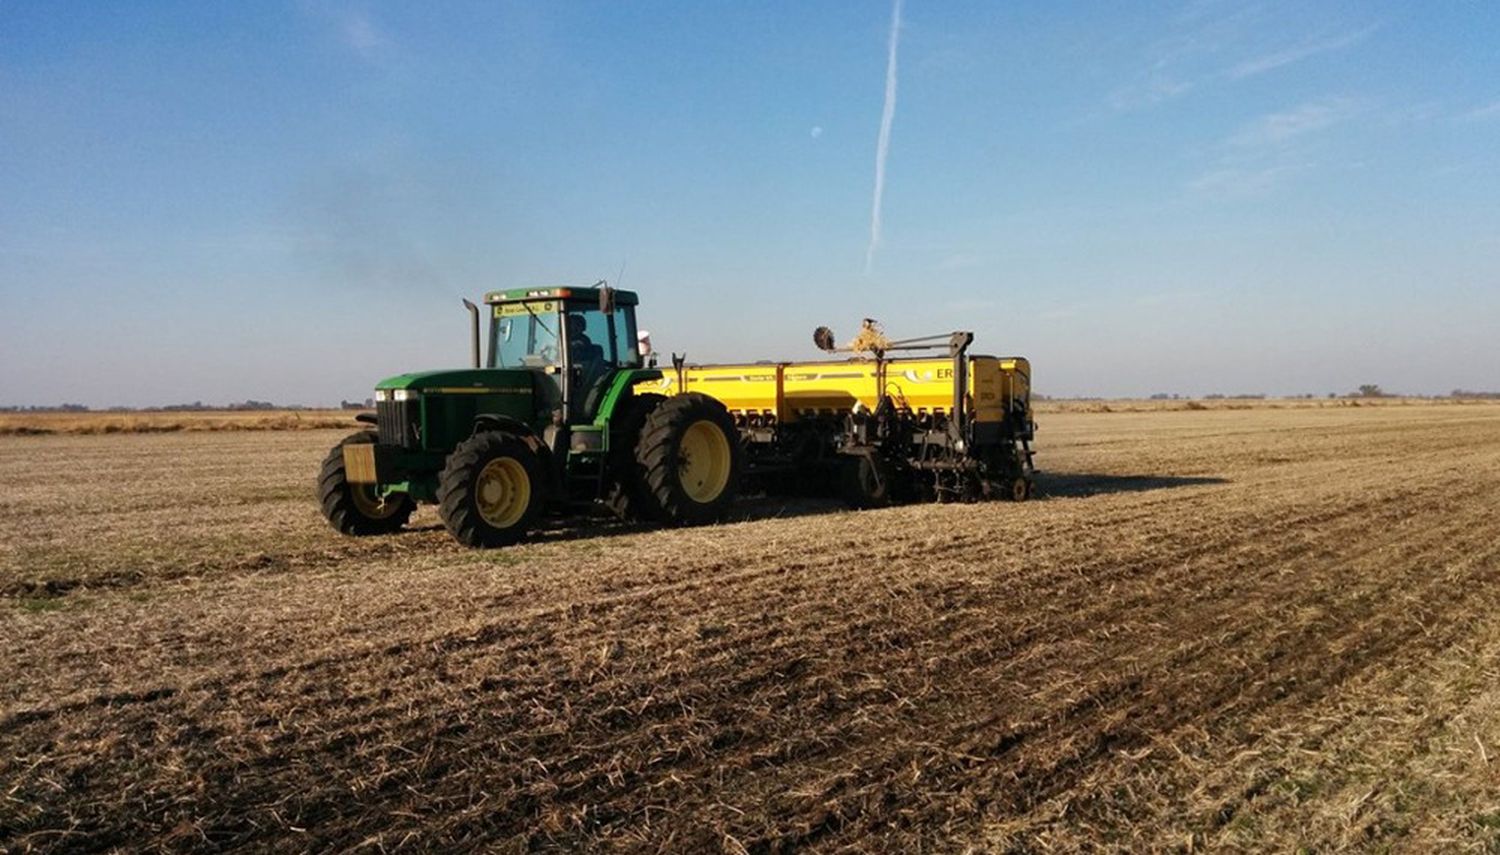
[1245, 630]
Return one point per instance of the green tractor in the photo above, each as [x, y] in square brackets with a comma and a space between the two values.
[551, 421]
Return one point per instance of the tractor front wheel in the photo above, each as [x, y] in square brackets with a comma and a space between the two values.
[490, 491]
[358, 509]
[689, 460]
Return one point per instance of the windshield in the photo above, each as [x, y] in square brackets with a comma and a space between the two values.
[524, 335]
[527, 335]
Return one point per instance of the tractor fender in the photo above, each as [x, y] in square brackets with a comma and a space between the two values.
[504, 424]
[512, 426]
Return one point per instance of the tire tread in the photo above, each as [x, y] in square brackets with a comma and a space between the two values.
[456, 507]
[664, 499]
[338, 505]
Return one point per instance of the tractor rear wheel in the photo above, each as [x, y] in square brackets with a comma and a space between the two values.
[358, 509]
[625, 495]
[866, 481]
[689, 460]
[490, 491]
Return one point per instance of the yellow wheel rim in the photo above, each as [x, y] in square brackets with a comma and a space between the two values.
[503, 492]
[705, 461]
[371, 505]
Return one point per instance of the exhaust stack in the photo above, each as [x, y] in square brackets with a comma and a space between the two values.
[474, 321]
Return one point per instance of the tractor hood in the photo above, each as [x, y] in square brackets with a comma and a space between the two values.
[461, 380]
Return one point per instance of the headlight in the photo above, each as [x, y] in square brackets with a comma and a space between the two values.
[406, 395]
[382, 394]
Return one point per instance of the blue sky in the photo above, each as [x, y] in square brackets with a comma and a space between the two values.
[286, 201]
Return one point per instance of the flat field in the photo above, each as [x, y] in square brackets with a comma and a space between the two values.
[1256, 629]
[47, 423]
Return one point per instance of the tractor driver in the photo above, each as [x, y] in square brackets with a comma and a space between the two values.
[586, 356]
[581, 348]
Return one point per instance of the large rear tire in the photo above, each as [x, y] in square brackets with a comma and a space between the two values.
[625, 495]
[689, 461]
[357, 509]
[491, 490]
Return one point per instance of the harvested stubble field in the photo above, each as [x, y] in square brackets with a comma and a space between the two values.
[1255, 629]
[47, 423]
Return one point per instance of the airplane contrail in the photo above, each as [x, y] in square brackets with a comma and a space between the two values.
[883, 143]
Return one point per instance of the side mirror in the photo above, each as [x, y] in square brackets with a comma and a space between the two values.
[823, 338]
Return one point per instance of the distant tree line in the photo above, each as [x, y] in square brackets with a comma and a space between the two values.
[194, 407]
[57, 408]
[1366, 390]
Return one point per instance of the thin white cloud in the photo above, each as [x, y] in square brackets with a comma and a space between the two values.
[1240, 181]
[971, 306]
[960, 261]
[1282, 58]
[1159, 87]
[1277, 128]
[883, 142]
[1198, 10]
[1187, 60]
[362, 35]
[1164, 298]
[1186, 57]
[1488, 111]
[1264, 153]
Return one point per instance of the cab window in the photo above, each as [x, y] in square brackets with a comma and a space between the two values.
[525, 340]
[625, 334]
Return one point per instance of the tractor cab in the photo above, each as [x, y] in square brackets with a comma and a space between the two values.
[577, 337]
